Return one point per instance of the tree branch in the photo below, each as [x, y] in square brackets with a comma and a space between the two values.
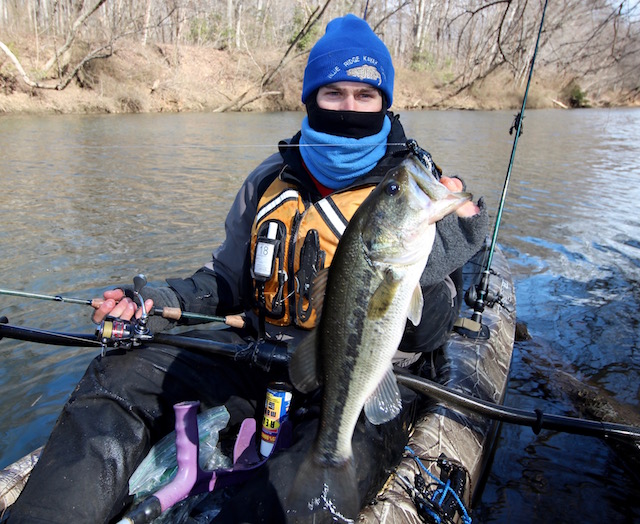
[311, 21]
[72, 35]
[64, 82]
[390, 14]
[18, 66]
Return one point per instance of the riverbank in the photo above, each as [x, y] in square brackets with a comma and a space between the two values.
[166, 78]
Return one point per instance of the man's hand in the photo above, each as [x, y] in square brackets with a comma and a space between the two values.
[116, 304]
[468, 209]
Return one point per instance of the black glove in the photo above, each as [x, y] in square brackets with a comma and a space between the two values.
[162, 297]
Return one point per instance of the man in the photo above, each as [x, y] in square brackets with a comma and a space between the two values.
[124, 403]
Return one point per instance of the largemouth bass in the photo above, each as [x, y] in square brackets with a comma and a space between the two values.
[370, 290]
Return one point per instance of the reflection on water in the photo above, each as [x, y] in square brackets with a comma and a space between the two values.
[89, 201]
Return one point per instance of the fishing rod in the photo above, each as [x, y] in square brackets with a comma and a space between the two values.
[264, 352]
[478, 297]
[172, 313]
[537, 420]
[268, 353]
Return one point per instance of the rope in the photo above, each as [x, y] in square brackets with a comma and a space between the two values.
[439, 495]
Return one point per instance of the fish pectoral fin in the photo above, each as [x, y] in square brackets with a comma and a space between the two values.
[383, 296]
[304, 368]
[415, 308]
[385, 403]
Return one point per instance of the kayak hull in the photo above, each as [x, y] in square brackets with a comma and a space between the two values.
[477, 367]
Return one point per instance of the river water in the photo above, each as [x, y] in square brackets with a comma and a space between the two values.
[87, 202]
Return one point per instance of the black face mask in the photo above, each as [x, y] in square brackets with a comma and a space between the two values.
[350, 124]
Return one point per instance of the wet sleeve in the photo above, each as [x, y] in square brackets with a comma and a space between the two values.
[457, 240]
[199, 293]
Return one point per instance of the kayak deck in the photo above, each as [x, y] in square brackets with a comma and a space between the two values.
[14, 477]
[477, 367]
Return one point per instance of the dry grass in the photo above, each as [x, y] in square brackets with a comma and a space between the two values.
[165, 78]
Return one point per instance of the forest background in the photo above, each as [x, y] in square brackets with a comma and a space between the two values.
[114, 56]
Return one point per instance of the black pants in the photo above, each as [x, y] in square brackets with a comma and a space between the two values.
[440, 311]
[124, 404]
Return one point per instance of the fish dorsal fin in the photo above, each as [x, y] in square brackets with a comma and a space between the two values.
[304, 366]
[318, 289]
[415, 308]
[385, 403]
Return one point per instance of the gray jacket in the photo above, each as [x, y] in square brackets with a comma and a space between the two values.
[224, 285]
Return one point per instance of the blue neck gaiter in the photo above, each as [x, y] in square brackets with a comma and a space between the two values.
[336, 161]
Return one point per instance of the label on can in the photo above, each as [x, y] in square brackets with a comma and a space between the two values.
[276, 410]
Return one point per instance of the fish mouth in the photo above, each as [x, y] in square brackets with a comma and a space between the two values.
[402, 230]
[433, 195]
[428, 184]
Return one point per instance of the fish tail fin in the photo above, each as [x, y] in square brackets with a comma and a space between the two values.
[324, 493]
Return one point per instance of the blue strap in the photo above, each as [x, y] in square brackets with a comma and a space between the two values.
[444, 490]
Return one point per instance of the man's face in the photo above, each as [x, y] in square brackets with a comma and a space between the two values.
[350, 96]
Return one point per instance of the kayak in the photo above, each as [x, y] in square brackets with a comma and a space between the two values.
[14, 477]
[448, 446]
[449, 449]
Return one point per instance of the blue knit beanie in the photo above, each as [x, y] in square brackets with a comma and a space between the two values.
[349, 51]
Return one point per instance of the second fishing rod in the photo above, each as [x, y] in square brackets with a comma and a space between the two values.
[478, 296]
[170, 313]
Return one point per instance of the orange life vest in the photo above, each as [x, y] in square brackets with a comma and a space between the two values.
[291, 240]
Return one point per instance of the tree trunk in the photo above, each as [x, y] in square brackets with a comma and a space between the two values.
[147, 19]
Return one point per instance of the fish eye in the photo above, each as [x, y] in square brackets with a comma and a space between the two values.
[392, 188]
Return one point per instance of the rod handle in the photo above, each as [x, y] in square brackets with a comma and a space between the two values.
[175, 313]
[235, 321]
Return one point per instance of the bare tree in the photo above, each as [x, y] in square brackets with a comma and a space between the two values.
[268, 76]
[593, 43]
[71, 36]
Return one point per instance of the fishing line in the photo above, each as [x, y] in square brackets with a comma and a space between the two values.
[214, 147]
[483, 287]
